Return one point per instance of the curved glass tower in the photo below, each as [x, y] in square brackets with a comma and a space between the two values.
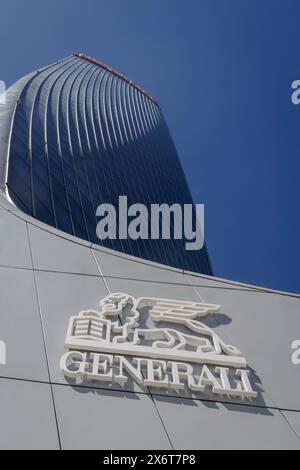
[82, 134]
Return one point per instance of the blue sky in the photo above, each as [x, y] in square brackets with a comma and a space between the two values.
[222, 72]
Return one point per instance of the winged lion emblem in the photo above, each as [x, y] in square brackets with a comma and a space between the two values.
[152, 327]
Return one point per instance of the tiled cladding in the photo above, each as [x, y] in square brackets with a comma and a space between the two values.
[37, 303]
[27, 416]
[82, 136]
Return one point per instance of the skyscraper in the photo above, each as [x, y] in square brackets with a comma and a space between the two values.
[100, 349]
[83, 134]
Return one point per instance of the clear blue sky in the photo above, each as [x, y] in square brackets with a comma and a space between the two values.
[222, 72]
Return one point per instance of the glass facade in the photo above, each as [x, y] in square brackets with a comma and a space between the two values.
[83, 135]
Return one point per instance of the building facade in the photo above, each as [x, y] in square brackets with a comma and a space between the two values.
[82, 135]
[104, 348]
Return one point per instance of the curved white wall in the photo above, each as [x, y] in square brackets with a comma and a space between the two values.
[47, 276]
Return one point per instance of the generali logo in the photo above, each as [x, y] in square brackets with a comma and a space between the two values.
[158, 343]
